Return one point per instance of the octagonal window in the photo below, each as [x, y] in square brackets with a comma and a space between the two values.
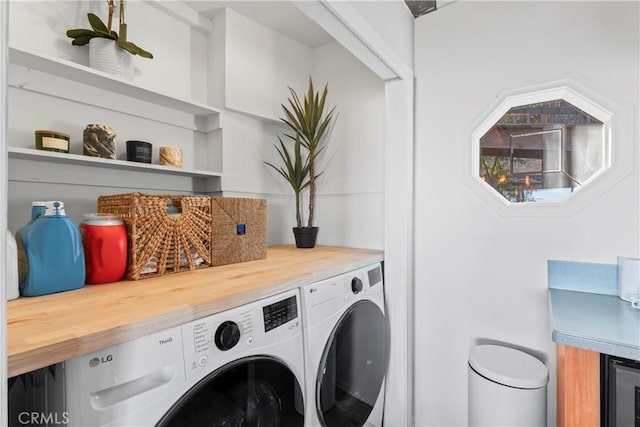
[543, 151]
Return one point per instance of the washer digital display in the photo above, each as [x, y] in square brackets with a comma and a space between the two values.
[375, 276]
[279, 313]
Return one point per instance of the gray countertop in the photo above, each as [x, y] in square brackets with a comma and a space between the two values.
[596, 322]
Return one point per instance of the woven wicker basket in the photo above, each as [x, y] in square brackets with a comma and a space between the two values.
[239, 229]
[162, 242]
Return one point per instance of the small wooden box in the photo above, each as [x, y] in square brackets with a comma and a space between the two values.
[239, 229]
[167, 233]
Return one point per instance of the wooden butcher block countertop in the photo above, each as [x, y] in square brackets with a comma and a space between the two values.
[52, 328]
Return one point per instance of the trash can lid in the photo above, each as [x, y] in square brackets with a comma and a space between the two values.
[508, 366]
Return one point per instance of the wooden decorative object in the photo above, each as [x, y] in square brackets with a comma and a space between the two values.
[239, 229]
[99, 141]
[167, 233]
[171, 156]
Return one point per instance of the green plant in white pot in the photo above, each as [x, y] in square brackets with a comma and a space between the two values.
[109, 51]
[309, 121]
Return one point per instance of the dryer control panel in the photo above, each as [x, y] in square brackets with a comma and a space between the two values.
[215, 340]
[323, 299]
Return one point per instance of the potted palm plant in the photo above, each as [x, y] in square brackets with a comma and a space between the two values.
[309, 122]
[109, 51]
[296, 172]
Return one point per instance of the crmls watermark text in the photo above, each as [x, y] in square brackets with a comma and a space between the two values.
[43, 418]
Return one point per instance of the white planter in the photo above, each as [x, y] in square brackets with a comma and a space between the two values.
[106, 56]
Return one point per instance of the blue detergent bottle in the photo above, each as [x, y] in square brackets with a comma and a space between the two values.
[37, 209]
[50, 252]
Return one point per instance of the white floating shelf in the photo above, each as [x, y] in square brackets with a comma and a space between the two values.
[77, 73]
[80, 73]
[75, 159]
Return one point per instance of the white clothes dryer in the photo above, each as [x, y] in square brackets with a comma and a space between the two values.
[241, 367]
[346, 341]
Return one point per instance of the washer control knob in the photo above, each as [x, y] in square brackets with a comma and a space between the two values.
[356, 285]
[227, 335]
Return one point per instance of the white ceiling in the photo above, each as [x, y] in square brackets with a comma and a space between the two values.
[281, 16]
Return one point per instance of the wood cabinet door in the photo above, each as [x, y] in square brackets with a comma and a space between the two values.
[578, 387]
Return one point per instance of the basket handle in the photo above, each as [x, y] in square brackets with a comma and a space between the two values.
[173, 210]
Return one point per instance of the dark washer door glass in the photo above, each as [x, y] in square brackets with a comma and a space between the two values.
[353, 366]
[250, 392]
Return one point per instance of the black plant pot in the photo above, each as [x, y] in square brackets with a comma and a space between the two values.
[305, 236]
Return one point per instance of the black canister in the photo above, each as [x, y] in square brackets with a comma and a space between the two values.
[139, 151]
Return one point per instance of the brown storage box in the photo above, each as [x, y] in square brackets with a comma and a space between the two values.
[239, 229]
[162, 242]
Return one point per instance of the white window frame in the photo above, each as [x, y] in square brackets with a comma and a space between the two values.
[617, 119]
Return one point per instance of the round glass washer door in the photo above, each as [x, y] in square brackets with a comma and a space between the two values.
[353, 366]
[250, 392]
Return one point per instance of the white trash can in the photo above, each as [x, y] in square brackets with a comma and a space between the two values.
[506, 387]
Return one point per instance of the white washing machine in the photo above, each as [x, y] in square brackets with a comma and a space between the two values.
[241, 367]
[346, 342]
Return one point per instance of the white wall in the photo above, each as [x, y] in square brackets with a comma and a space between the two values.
[250, 69]
[259, 66]
[390, 19]
[479, 275]
[350, 191]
